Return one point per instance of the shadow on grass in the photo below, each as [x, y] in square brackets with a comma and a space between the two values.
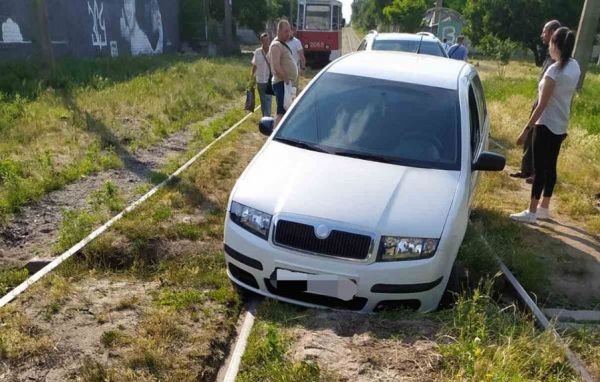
[559, 272]
[109, 139]
[26, 79]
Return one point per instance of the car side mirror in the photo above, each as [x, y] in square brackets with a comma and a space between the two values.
[265, 126]
[488, 161]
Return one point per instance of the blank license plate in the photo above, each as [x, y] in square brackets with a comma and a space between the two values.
[324, 285]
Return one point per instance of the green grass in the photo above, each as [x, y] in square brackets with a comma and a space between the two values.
[482, 342]
[265, 356]
[510, 98]
[182, 331]
[89, 114]
[10, 278]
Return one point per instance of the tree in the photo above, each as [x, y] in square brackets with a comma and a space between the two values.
[518, 20]
[407, 14]
[252, 13]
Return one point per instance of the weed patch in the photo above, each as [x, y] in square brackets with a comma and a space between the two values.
[10, 278]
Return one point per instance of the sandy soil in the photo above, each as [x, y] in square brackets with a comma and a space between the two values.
[353, 347]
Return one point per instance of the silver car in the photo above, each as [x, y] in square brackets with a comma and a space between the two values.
[423, 43]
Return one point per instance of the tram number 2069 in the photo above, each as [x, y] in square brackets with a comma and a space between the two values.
[316, 44]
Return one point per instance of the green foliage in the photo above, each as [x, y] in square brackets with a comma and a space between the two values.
[76, 225]
[493, 344]
[407, 14]
[179, 300]
[368, 14]
[520, 20]
[108, 196]
[10, 278]
[265, 360]
[498, 49]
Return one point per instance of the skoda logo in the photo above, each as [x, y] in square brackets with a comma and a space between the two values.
[322, 231]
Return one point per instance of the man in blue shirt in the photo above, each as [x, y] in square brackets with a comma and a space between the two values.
[459, 51]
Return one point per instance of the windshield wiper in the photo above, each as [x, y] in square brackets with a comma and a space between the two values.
[302, 145]
[364, 156]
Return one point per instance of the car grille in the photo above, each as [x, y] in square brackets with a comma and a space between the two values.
[339, 243]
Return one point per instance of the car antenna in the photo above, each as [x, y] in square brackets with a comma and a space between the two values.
[419, 48]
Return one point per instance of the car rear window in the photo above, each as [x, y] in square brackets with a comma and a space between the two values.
[412, 46]
[402, 123]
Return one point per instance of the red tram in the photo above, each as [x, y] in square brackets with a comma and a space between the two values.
[320, 24]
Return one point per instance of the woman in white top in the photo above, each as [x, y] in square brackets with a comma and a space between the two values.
[550, 120]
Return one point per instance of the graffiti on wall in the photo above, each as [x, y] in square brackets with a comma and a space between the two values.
[99, 25]
[11, 33]
[142, 27]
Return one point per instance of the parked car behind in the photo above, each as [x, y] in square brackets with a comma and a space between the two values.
[360, 198]
[423, 43]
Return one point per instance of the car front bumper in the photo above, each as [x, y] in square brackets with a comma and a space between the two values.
[253, 262]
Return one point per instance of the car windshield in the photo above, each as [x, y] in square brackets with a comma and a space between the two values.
[431, 48]
[378, 120]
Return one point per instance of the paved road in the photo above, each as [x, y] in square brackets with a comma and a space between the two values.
[350, 40]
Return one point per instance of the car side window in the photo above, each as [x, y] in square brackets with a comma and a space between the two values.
[480, 98]
[475, 122]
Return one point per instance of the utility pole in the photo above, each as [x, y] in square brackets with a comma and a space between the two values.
[586, 35]
[228, 26]
[42, 41]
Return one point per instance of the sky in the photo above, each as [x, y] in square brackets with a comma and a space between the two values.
[347, 9]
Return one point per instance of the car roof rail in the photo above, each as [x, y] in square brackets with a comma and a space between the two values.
[373, 31]
[429, 34]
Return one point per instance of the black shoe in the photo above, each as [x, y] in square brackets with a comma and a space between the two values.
[519, 174]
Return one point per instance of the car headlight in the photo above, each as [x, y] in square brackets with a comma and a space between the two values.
[406, 248]
[255, 221]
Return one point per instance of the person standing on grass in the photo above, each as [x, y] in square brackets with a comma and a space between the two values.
[283, 66]
[298, 52]
[549, 122]
[261, 71]
[527, 161]
[459, 51]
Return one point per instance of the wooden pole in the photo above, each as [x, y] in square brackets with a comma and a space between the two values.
[586, 35]
[42, 40]
[228, 27]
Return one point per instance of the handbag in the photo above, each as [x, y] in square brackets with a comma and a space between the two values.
[269, 87]
[250, 100]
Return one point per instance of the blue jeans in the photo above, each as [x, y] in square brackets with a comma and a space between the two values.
[265, 100]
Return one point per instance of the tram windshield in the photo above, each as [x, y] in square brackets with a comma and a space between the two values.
[318, 17]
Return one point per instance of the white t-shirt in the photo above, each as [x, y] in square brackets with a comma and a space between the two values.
[262, 68]
[556, 114]
[295, 46]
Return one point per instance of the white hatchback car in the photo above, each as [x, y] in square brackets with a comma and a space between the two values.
[360, 198]
[422, 43]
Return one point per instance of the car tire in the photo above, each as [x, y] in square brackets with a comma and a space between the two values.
[245, 294]
[453, 287]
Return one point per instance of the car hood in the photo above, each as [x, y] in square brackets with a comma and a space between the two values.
[382, 198]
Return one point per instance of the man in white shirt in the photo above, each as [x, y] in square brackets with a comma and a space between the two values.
[261, 71]
[298, 52]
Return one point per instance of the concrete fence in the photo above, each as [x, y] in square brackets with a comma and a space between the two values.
[91, 28]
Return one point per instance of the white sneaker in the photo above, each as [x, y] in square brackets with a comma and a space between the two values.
[525, 217]
[543, 213]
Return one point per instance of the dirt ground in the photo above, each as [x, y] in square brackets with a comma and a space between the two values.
[93, 307]
[32, 232]
[575, 276]
[354, 347]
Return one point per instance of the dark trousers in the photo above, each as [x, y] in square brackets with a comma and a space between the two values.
[546, 147]
[527, 160]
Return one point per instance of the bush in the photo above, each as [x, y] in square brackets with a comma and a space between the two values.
[498, 49]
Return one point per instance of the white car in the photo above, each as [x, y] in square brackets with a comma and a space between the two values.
[422, 43]
[360, 198]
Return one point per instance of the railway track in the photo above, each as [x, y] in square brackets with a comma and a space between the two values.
[231, 366]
